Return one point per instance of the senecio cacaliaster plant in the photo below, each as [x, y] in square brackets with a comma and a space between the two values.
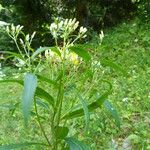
[59, 135]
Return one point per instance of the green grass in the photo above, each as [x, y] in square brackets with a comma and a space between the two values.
[127, 45]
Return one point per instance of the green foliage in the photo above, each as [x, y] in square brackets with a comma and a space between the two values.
[66, 56]
[122, 60]
[21, 145]
[76, 145]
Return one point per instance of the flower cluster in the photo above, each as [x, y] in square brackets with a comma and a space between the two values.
[13, 31]
[26, 43]
[66, 27]
[70, 56]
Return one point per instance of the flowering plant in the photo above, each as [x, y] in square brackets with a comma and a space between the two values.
[53, 98]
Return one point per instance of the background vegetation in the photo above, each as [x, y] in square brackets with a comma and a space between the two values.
[126, 47]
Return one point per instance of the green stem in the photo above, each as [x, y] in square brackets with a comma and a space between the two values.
[38, 119]
[18, 47]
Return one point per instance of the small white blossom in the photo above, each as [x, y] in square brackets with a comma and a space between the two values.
[82, 30]
[66, 22]
[21, 41]
[125, 99]
[33, 34]
[101, 35]
[27, 37]
[76, 25]
[60, 25]
[53, 27]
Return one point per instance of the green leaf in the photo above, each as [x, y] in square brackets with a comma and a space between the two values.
[46, 79]
[113, 112]
[61, 132]
[39, 91]
[91, 107]
[42, 49]
[76, 145]
[42, 104]
[13, 54]
[45, 96]
[114, 66]
[20, 145]
[85, 110]
[80, 51]
[30, 84]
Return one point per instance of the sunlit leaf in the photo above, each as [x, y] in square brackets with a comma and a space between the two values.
[30, 84]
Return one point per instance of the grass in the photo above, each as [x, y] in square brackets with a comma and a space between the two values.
[127, 45]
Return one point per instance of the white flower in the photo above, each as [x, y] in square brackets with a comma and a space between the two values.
[76, 25]
[82, 30]
[101, 35]
[33, 34]
[13, 28]
[53, 27]
[66, 22]
[70, 22]
[125, 99]
[7, 29]
[27, 37]
[60, 25]
[21, 41]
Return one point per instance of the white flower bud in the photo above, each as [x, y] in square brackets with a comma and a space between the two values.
[27, 37]
[21, 41]
[82, 30]
[66, 22]
[73, 21]
[53, 27]
[60, 24]
[33, 34]
[76, 25]
[101, 35]
[13, 28]
[7, 29]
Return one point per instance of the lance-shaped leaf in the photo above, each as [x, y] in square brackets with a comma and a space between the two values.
[74, 144]
[39, 91]
[85, 110]
[12, 54]
[114, 66]
[49, 81]
[91, 107]
[113, 112]
[30, 84]
[81, 52]
[44, 95]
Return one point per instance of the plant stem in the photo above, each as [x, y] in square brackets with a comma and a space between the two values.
[38, 119]
[18, 47]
